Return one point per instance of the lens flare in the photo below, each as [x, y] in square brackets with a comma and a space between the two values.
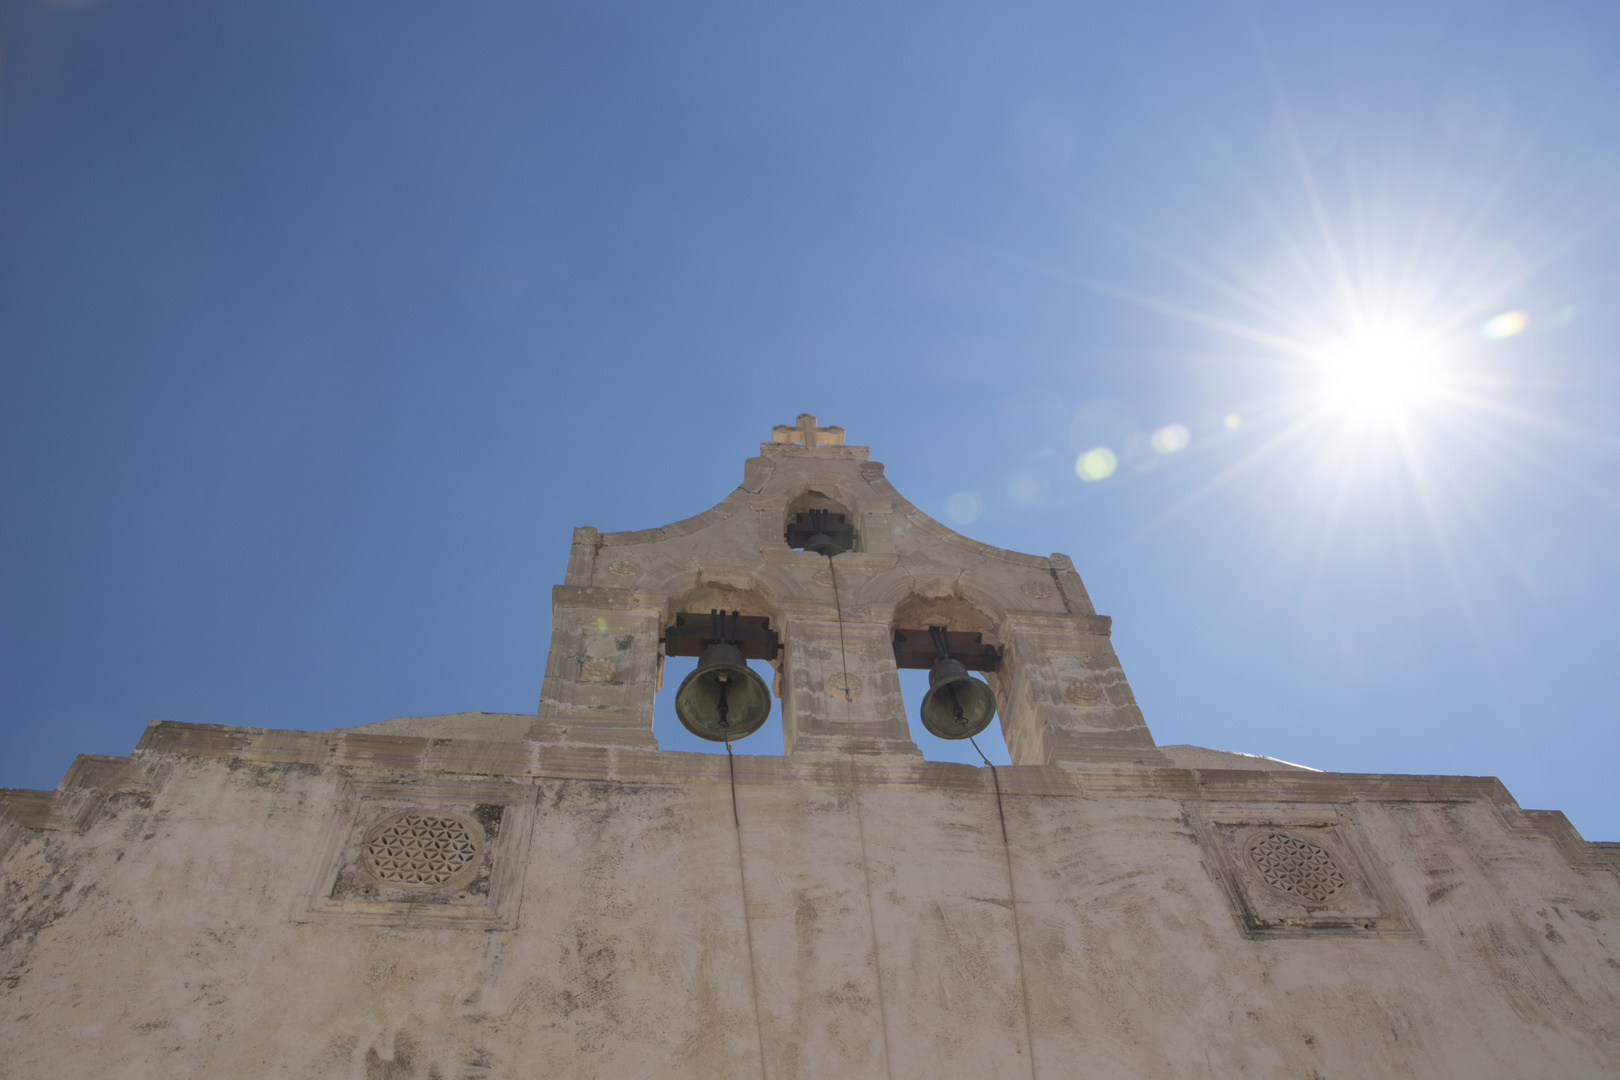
[1096, 464]
[965, 507]
[1023, 488]
[1363, 340]
[1170, 438]
[1505, 325]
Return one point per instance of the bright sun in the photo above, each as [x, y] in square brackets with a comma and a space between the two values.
[1380, 374]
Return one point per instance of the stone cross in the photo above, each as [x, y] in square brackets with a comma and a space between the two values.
[804, 430]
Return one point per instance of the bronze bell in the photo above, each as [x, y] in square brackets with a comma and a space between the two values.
[822, 544]
[723, 699]
[821, 541]
[957, 706]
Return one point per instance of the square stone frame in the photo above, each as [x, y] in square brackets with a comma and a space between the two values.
[509, 855]
[1370, 907]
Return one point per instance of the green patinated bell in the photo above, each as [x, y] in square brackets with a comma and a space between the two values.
[723, 699]
[957, 706]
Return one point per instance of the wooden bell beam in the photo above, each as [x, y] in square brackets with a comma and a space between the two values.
[695, 631]
[916, 649]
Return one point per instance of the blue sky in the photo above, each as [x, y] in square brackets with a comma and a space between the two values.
[322, 324]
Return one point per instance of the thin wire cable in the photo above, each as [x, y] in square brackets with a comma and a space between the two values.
[860, 828]
[731, 768]
[1012, 901]
[748, 927]
[843, 658]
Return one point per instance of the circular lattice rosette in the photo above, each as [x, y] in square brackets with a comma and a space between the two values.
[424, 850]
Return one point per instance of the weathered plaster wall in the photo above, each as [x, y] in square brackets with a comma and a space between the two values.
[877, 937]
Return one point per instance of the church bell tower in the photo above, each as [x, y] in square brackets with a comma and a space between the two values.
[818, 566]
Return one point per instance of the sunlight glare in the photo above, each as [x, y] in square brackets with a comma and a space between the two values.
[1381, 373]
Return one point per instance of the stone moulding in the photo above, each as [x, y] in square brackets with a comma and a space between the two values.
[79, 798]
[92, 779]
[365, 803]
[85, 789]
[410, 754]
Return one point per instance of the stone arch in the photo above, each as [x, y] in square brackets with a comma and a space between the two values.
[952, 609]
[742, 591]
[953, 603]
[729, 590]
[941, 599]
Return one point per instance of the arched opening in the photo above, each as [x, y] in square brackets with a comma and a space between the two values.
[700, 596]
[961, 616]
[816, 514]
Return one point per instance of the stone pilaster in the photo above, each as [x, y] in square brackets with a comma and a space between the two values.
[582, 556]
[826, 709]
[1063, 695]
[602, 670]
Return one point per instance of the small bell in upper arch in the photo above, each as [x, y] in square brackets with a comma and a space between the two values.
[822, 544]
[821, 532]
[821, 541]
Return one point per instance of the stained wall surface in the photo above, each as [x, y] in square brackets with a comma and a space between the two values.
[229, 901]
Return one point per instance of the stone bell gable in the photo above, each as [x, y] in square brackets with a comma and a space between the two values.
[1060, 691]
